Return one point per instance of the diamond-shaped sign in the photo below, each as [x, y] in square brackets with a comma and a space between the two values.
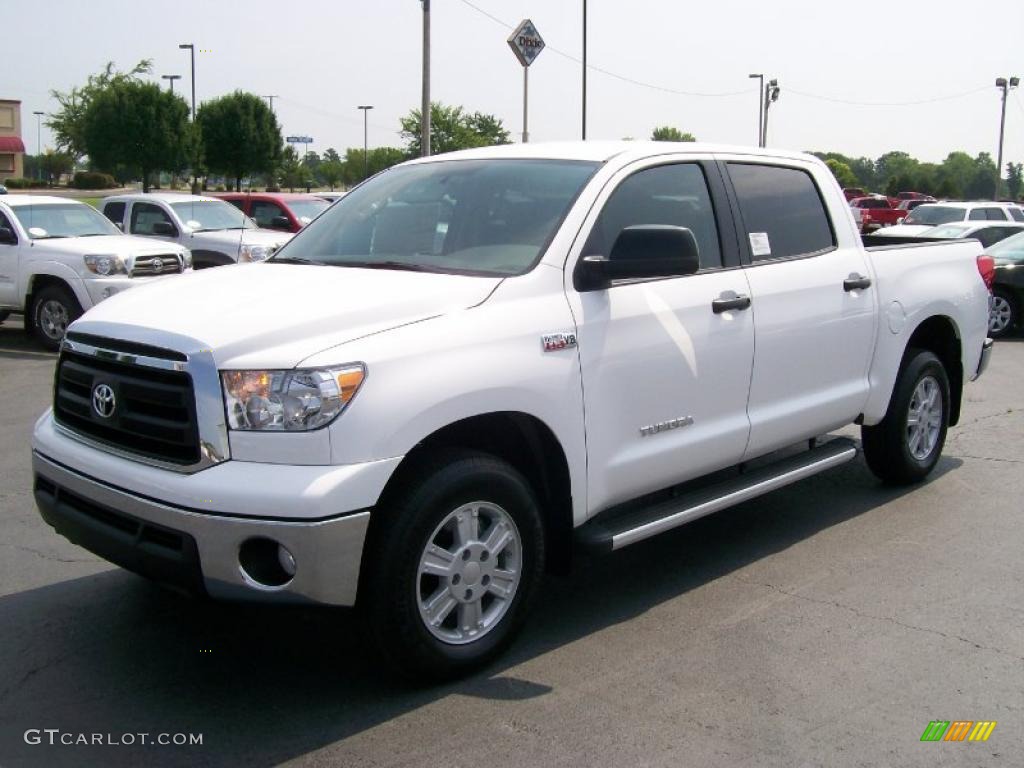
[526, 42]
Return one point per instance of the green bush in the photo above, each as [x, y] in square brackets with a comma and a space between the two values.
[93, 180]
[16, 183]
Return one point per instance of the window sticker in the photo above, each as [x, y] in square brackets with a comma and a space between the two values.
[759, 245]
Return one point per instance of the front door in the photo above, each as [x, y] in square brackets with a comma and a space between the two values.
[8, 267]
[665, 376]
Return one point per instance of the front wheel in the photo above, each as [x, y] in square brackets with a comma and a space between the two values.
[905, 446]
[1002, 315]
[451, 566]
[53, 310]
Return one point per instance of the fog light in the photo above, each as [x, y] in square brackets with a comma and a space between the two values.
[108, 292]
[286, 560]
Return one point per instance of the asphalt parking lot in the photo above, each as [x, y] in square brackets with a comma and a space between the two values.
[825, 624]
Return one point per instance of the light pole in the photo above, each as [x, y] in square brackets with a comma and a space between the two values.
[39, 145]
[584, 70]
[425, 104]
[760, 108]
[1007, 86]
[771, 95]
[366, 145]
[170, 79]
[270, 100]
[190, 47]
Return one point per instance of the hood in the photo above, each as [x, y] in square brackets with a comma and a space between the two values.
[275, 315]
[103, 245]
[238, 237]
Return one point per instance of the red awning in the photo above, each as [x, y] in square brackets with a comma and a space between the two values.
[11, 144]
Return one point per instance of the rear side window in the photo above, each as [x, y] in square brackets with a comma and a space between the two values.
[1016, 214]
[114, 212]
[996, 214]
[782, 211]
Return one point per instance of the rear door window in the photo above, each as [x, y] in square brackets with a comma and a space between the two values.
[782, 211]
[996, 214]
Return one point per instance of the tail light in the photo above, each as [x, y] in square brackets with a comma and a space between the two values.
[987, 269]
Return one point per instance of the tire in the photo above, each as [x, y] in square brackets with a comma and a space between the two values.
[54, 308]
[1004, 314]
[897, 451]
[4, 316]
[421, 561]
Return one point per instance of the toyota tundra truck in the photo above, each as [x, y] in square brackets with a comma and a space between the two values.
[476, 364]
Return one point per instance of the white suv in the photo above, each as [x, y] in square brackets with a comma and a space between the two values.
[934, 214]
[213, 230]
[59, 257]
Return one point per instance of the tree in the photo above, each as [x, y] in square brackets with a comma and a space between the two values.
[137, 125]
[1015, 179]
[670, 133]
[68, 122]
[56, 164]
[378, 159]
[451, 128]
[332, 168]
[240, 136]
[982, 182]
[293, 173]
[842, 172]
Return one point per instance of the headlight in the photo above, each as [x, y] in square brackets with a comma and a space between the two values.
[289, 401]
[105, 265]
[254, 253]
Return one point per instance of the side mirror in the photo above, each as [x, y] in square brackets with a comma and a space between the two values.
[280, 222]
[164, 228]
[7, 236]
[645, 251]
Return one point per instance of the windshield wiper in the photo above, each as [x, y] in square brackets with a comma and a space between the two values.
[50, 237]
[95, 234]
[296, 260]
[399, 265]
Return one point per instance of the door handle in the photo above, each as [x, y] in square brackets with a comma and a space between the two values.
[856, 282]
[718, 306]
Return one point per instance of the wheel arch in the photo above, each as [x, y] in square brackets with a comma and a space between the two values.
[203, 258]
[526, 443]
[940, 335]
[45, 279]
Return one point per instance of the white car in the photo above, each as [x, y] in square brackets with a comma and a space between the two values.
[59, 257]
[985, 232]
[478, 361]
[215, 231]
[933, 214]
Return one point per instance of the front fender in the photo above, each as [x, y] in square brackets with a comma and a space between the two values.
[55, 269]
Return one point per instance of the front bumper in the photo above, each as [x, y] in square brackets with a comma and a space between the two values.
[100, 288]
[986, 354]
[198, 551]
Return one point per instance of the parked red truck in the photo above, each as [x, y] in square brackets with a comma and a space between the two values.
[875, 212]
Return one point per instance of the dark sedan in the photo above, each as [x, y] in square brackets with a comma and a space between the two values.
[1008, 287]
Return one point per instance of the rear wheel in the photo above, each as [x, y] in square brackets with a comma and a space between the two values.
[906, 445]
[1002, 315]
[451, 566]
[53, 309]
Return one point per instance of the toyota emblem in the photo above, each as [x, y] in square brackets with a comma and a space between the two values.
[158, 266]
[103, 401]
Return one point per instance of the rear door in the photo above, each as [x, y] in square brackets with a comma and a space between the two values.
[665, 376]
[813, 309]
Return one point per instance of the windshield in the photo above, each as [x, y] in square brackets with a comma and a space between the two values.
[484, 217]
[63, 220]
[935, 214]
[307, 210]
[947, 230]
[206, 215]
[1010, 249]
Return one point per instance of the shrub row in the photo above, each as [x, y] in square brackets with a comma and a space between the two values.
[93, 180]
[16, 183]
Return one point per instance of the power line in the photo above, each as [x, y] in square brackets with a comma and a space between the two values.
[607, 72]
[677, 92]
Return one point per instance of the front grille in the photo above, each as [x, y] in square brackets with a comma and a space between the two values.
[161, 264]
[153, 412]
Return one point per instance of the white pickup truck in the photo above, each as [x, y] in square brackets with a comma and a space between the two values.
[59, 257]
[215, 231]
[474, 363]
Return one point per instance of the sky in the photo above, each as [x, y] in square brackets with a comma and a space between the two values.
[861, 79]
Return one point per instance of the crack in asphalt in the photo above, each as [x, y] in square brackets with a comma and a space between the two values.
[984, 458]
[53, 558]
[888, 619]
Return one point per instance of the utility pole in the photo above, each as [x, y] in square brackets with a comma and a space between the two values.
[270, 100]
[1006, 86]
[760, 109]
[39, 145]
[425, 105]
[191, 48]
[584, 70]
[366, 143]
[170, 80]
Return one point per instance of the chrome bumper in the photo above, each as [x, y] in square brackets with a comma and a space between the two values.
[986, 354]
[199, 551]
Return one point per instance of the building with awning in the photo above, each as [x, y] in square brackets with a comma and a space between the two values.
[12, 148]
